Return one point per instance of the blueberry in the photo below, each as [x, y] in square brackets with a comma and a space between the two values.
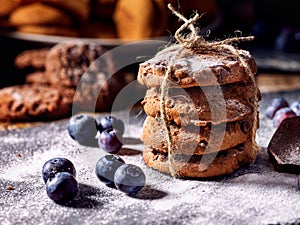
[281, 114]
[106, 168]
[129, 178]
[82, 128]
[295, 106]
[110, 122]
[274, 105]
[109, 141]
[62, 188]
[55, 165]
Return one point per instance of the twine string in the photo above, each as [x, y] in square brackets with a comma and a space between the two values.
[198, 44]
[164, 118]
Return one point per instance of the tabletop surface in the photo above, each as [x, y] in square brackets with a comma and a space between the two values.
[254, 195]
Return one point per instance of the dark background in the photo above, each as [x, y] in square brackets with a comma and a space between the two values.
[275, 24]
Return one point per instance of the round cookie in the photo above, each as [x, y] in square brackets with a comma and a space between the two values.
[67, 62]
[191, 106]
[34, 102]
[225, 162]
[191, 69]
[39, 14]
[79, 66]
[191, 139]
[32, 58]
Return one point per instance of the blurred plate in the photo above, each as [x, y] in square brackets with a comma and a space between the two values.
[53, 39]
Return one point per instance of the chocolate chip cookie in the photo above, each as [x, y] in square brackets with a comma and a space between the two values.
[197, 104]
[191, 69]
[83, 67]
[34, 102]
[196, 140]
[202, 166]
[67, 62]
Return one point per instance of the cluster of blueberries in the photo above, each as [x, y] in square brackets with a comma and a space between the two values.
[278, 109]
[112, 170]
[59, 173]
[105, 132]
[59, 176]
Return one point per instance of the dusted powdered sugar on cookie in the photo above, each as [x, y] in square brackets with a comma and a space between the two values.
[190, 69]
[190, 105]
[193, 140]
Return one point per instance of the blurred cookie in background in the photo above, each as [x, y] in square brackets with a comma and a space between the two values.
[115, 19]
[136, 19]
[34, 102]
[39, 14]
[7, 6]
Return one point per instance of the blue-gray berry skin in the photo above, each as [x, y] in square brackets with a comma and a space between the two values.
[129, 179]
[83, 129]
[106, 168]
[55, 165]
[274, 105]
[62, 188]
[109, 141]
[110, 122]
[295, 106]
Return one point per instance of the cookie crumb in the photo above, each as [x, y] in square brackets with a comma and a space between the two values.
[9, 188]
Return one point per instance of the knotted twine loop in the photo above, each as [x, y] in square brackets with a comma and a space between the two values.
[197, 43]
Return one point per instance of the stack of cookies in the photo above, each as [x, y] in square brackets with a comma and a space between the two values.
[210, 110]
